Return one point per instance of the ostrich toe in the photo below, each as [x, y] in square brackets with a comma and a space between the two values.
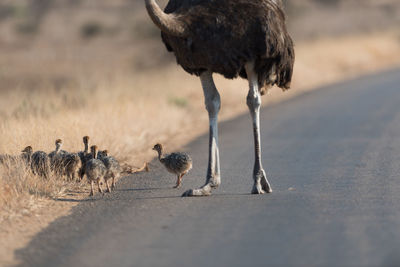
[215, 181]
[265, 185]
[201, 192]
[257, 190]
[261, 185]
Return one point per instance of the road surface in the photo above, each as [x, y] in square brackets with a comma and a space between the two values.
[333, 160]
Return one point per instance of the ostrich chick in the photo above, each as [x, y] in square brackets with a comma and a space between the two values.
[178, 163]
[57, 158]
[85, 156]
[40, 164]
[113, 168]
[72, 165]
[38, 161]
[85, 152]
[26, 155]
[95, 170]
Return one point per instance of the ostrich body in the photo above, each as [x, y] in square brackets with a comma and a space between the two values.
[72, 165]
[113, 168]
[38, 161]
[84, 156]
[85, 152]
[40, 164]
[65, 163]
[95, 170]
[233, 38]
[177, 163]
[57, 158]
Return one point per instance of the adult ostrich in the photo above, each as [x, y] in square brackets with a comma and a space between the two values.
[246, 38]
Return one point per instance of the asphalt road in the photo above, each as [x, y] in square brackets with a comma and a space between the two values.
[333, 160]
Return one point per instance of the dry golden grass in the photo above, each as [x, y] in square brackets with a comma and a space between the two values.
[127, 112]
[20, 189]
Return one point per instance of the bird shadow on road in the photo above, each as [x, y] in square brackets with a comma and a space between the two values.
[76, 200]
[179, 196]
[160, 197]
[231, 194]
[141, 189]
[144, 197]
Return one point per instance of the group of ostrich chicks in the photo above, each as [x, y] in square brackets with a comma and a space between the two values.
[97, 165]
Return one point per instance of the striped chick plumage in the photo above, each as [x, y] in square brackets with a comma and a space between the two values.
[178, 163]
[113, 168]
[40, 164]
[95, 170]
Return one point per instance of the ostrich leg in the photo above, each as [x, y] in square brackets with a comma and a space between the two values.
[178, 181]
[213, 104]
[261, 184]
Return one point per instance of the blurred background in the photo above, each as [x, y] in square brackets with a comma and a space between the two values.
[54, 43]
[70, 68]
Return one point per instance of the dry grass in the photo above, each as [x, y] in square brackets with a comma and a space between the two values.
[20, 189]
[127, 112]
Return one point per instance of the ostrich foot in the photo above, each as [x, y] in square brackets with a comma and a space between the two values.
[91, 194]
[112, 186]
[257, 190]
[201, 192]
[215, 181]
[177, 186]
[261, 184]
[265, 185]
